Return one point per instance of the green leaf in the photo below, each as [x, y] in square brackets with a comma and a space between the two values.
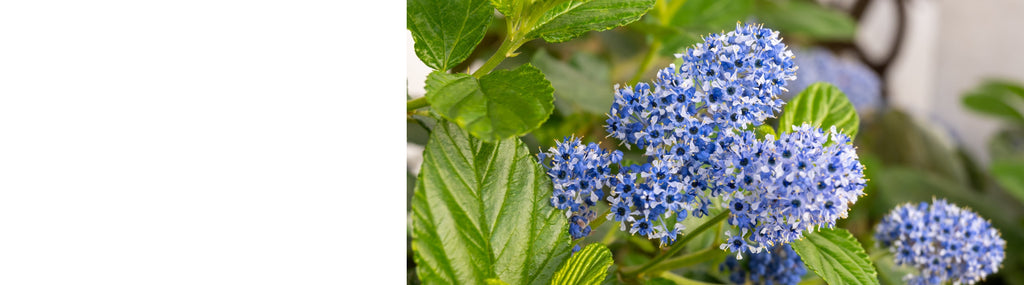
[481, 211]
[822, 105]
[888, 272]
[446, 31]
[507, 7]
[808, 20]
[501, 104]
[571, 19]
[588, 266]
[998, 98]
[696, 18]
[763, 131]
[899, 139]
[493, 281]
[836, 257]
[583, 84]
[1010, 174]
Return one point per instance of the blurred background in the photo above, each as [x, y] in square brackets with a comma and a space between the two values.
[937, 85]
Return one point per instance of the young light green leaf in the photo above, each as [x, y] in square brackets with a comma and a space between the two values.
[808, 20]
[763, 131]
[822, 105]
[583, 84]
[446, 31]
[501, 104]
[571, 19]
[836, 256]
[588, 266]
[481, 211]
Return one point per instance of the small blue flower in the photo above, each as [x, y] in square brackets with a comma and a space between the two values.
[942, 241]
[735, 243]
[643, 227]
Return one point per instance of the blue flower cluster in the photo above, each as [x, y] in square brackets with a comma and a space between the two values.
[804, 180]
[778, 265]
[860, 84]
[687, 120]
[942, 241]
[578, 172]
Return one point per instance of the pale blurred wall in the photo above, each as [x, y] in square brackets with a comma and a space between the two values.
[951, 46]
[977, 40]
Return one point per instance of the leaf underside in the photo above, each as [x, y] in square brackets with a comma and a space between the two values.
[588, 266]
[481, 211]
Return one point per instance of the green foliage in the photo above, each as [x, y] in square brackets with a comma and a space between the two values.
[763, 131]
[899, 185]
[588, 266]
[684, 22]
[807, 19]
[583, 84]
[1010, 174]
[836, 257]
[998, 98]
[446, 31]
[499, 105]
[888, 272]
[481, 211]
[822, 105]
[898, 139]
[571, 19]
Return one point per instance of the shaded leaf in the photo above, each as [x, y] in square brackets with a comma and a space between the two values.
[571, 19]
[898, 139]
[822, 105]
[898, 185]
[836, 257]
[583, 84]
[481, 211]
[998, 98]
[588, 266]
[446, 31]
[808, 19]
[499, 105]
[1010, 174]
[697, 18]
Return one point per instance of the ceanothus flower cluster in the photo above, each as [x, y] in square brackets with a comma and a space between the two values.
[778, 265]
[686, 121]
[578, 173]
[942, 241]
[806, 179]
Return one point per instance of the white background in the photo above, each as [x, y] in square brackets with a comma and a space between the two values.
[201, 142]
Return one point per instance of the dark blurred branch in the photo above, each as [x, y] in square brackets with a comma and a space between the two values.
[882, 67]
[858, 9]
